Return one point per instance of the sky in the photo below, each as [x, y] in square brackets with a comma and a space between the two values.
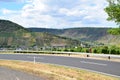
[56, 13]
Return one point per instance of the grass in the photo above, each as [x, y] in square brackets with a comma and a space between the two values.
[53, 72]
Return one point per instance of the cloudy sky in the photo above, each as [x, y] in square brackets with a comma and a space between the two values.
[56, 13]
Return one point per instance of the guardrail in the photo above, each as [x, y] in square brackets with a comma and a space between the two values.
[109, 56]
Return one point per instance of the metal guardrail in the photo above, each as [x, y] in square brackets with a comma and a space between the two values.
[109, 56]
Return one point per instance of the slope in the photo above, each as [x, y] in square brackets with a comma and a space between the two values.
[15, 36]
[84, 34]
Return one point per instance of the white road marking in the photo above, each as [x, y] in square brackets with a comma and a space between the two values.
[93, 63]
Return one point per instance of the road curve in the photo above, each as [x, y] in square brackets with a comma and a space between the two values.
[9, 74]
[106, 67]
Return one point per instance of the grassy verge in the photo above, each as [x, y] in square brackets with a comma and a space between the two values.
[53, 72]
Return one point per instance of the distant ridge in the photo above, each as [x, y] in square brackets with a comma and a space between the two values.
[49, 30]
[84, 33]
[90, 34]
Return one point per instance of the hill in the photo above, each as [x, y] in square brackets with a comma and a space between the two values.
[8, 26]
[84, 34]
[14, 36]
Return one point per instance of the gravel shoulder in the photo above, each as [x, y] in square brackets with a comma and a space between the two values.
[10, 74]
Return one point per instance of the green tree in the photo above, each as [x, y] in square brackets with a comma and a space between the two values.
[114, 31]
[113, 11]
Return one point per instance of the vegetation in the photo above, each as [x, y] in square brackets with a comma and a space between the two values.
[91, 36]
[8, 26]
[97, 50]
[53, 72]
[113, 11]
[114, 31]
[14, 36]
[84, 34]
[11, 33]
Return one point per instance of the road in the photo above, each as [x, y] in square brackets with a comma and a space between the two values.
[9, 74]
[101, 66]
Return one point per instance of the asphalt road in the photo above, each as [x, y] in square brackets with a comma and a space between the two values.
[9, 74]
[101, 66]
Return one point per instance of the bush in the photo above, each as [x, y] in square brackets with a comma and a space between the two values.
[87, 50]
[118, 52]
[65, 50]
[94, 51]
[105, 50]
[72, 50]
[112, 51]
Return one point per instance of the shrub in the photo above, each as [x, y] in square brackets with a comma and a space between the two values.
[94, 51]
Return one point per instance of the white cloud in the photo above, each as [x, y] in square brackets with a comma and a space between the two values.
[72, 12]
[59, 13]
[6, 11]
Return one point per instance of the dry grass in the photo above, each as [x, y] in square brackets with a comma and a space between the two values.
[53, 72]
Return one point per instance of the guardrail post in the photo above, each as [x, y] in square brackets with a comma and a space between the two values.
[69, 54]
[109, 57]
[88, 55]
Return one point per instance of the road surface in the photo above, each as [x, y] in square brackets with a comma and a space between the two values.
[9, 74]
[101, 66]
